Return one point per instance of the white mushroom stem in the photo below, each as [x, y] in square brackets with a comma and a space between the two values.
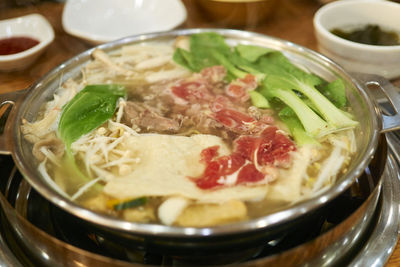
[153, 62]
[104, 58]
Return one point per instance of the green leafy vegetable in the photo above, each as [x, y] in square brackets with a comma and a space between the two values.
[185, 58]
[230, 67]
[207, 49]
[252, 52]
[203, 43]
[312, 123]
[332, 115]
[282, 74]
[203, 47]
[259, 100]
[335, 92]
[90, 108]
[131, 203]
[296, 128]
[245, 65]
[277, 63]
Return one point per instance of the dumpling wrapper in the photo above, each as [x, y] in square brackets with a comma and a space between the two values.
[167, 162]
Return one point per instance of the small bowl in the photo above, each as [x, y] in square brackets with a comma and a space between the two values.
[239, 13]
[34, 26]
[101, 21]
[351, 14]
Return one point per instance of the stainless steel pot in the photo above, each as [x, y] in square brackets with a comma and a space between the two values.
[366, 111]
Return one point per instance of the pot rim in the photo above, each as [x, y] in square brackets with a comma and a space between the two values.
[269, 221]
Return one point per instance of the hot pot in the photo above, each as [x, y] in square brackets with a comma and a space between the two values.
[204, 240]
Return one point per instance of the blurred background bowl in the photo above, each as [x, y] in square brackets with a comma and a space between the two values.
[352, 14]
[101, 21]
[238, 13]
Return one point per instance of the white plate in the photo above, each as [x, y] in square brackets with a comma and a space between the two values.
[34, 26]
[100, 21]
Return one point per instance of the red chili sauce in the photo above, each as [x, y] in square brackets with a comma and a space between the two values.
[13, 45]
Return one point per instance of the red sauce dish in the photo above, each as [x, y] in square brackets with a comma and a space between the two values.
[14, 45]
[23, 40]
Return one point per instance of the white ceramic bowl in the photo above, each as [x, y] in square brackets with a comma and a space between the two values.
[350, 14]
[34, 26]
[101, 21]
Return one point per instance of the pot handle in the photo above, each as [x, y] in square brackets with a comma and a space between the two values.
[391, 95]
[8, 101]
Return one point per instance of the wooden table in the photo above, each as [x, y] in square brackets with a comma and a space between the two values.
[292, 21]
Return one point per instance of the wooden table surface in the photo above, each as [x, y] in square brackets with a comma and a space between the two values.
[291, 20]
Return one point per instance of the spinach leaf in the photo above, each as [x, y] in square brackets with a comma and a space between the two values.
[90, 108]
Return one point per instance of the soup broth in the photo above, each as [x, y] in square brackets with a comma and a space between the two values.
[146, 138]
